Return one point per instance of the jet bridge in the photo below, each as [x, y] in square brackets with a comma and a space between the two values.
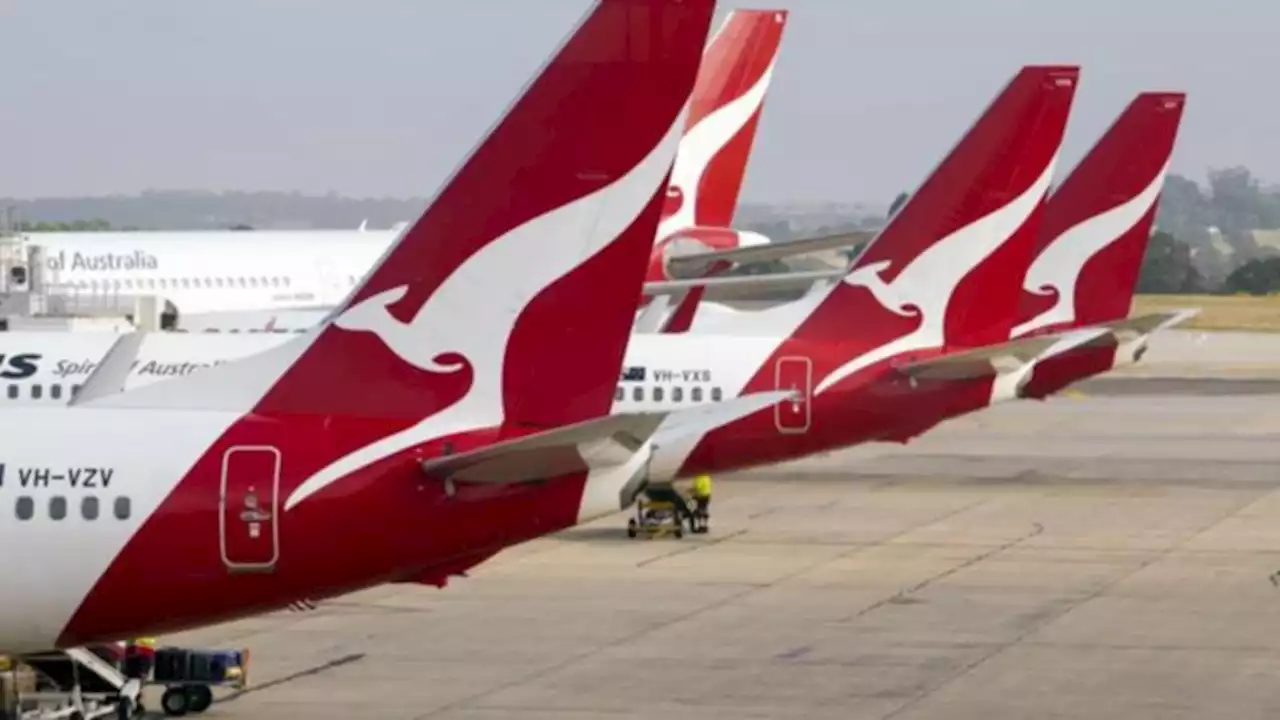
[33, 297]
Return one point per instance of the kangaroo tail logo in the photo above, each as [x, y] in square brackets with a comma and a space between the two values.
[870, 278]
[373, 315]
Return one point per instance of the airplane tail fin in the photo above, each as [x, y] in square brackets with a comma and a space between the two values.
[681, 319]
[724, 112]
[946, 269]
[478, 307]
[1097, 223]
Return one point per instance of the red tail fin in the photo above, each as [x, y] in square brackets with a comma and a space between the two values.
[682, 317]
[723, 114]
[577, 163]
[1097, 223]
[945, 270]
[478, 307]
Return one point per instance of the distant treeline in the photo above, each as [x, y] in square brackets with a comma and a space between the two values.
[1221, 237]
[209, 211]
[94, 225]
[181, 210]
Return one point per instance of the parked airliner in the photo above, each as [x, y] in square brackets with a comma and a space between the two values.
[451, 392]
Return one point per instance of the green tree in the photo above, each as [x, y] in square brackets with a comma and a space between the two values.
[1167, 267]
[1238, 208]
[93, 225]
[1260, 276]
[1185, 212]
[1213, 265]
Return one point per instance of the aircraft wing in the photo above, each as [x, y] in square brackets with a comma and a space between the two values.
[1133, 328]
[1016, 355]
[742, 286]
[1005, 358]
[692, 264]
[112, 373]
[589, 445]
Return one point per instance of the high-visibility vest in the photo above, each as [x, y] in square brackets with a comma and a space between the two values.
[702, 486]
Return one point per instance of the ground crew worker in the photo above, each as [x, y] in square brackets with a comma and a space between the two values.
[140, 657]
[702, 500]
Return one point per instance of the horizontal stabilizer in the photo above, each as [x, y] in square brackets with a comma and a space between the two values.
[654, 314]
[1135, 327]
[701, 419]
[111, 374]
[1001, 359]
[742, 286]
[692, 263]
[591, 444]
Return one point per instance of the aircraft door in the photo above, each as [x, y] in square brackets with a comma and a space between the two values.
[248, 529]
[334, 287]
[793, 373]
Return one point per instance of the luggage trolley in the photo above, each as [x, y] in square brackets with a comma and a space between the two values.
[655, 518]
[189, 676]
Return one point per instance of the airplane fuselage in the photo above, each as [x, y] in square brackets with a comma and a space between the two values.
[115, 542]
[214, 271]
[661, 372]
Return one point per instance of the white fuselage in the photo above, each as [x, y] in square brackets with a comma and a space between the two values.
[214, 271]
[223, 280]
[45, 484]
[46, 368]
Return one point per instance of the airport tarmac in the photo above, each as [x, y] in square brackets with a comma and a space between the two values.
[1101, 555]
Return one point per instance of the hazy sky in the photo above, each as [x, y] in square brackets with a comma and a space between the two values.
[383, 97]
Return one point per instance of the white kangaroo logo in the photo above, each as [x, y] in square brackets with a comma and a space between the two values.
[924, 287]
[700, 146]
[374, 315]
[870, 277]
[474, 311]
[1060, 263]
